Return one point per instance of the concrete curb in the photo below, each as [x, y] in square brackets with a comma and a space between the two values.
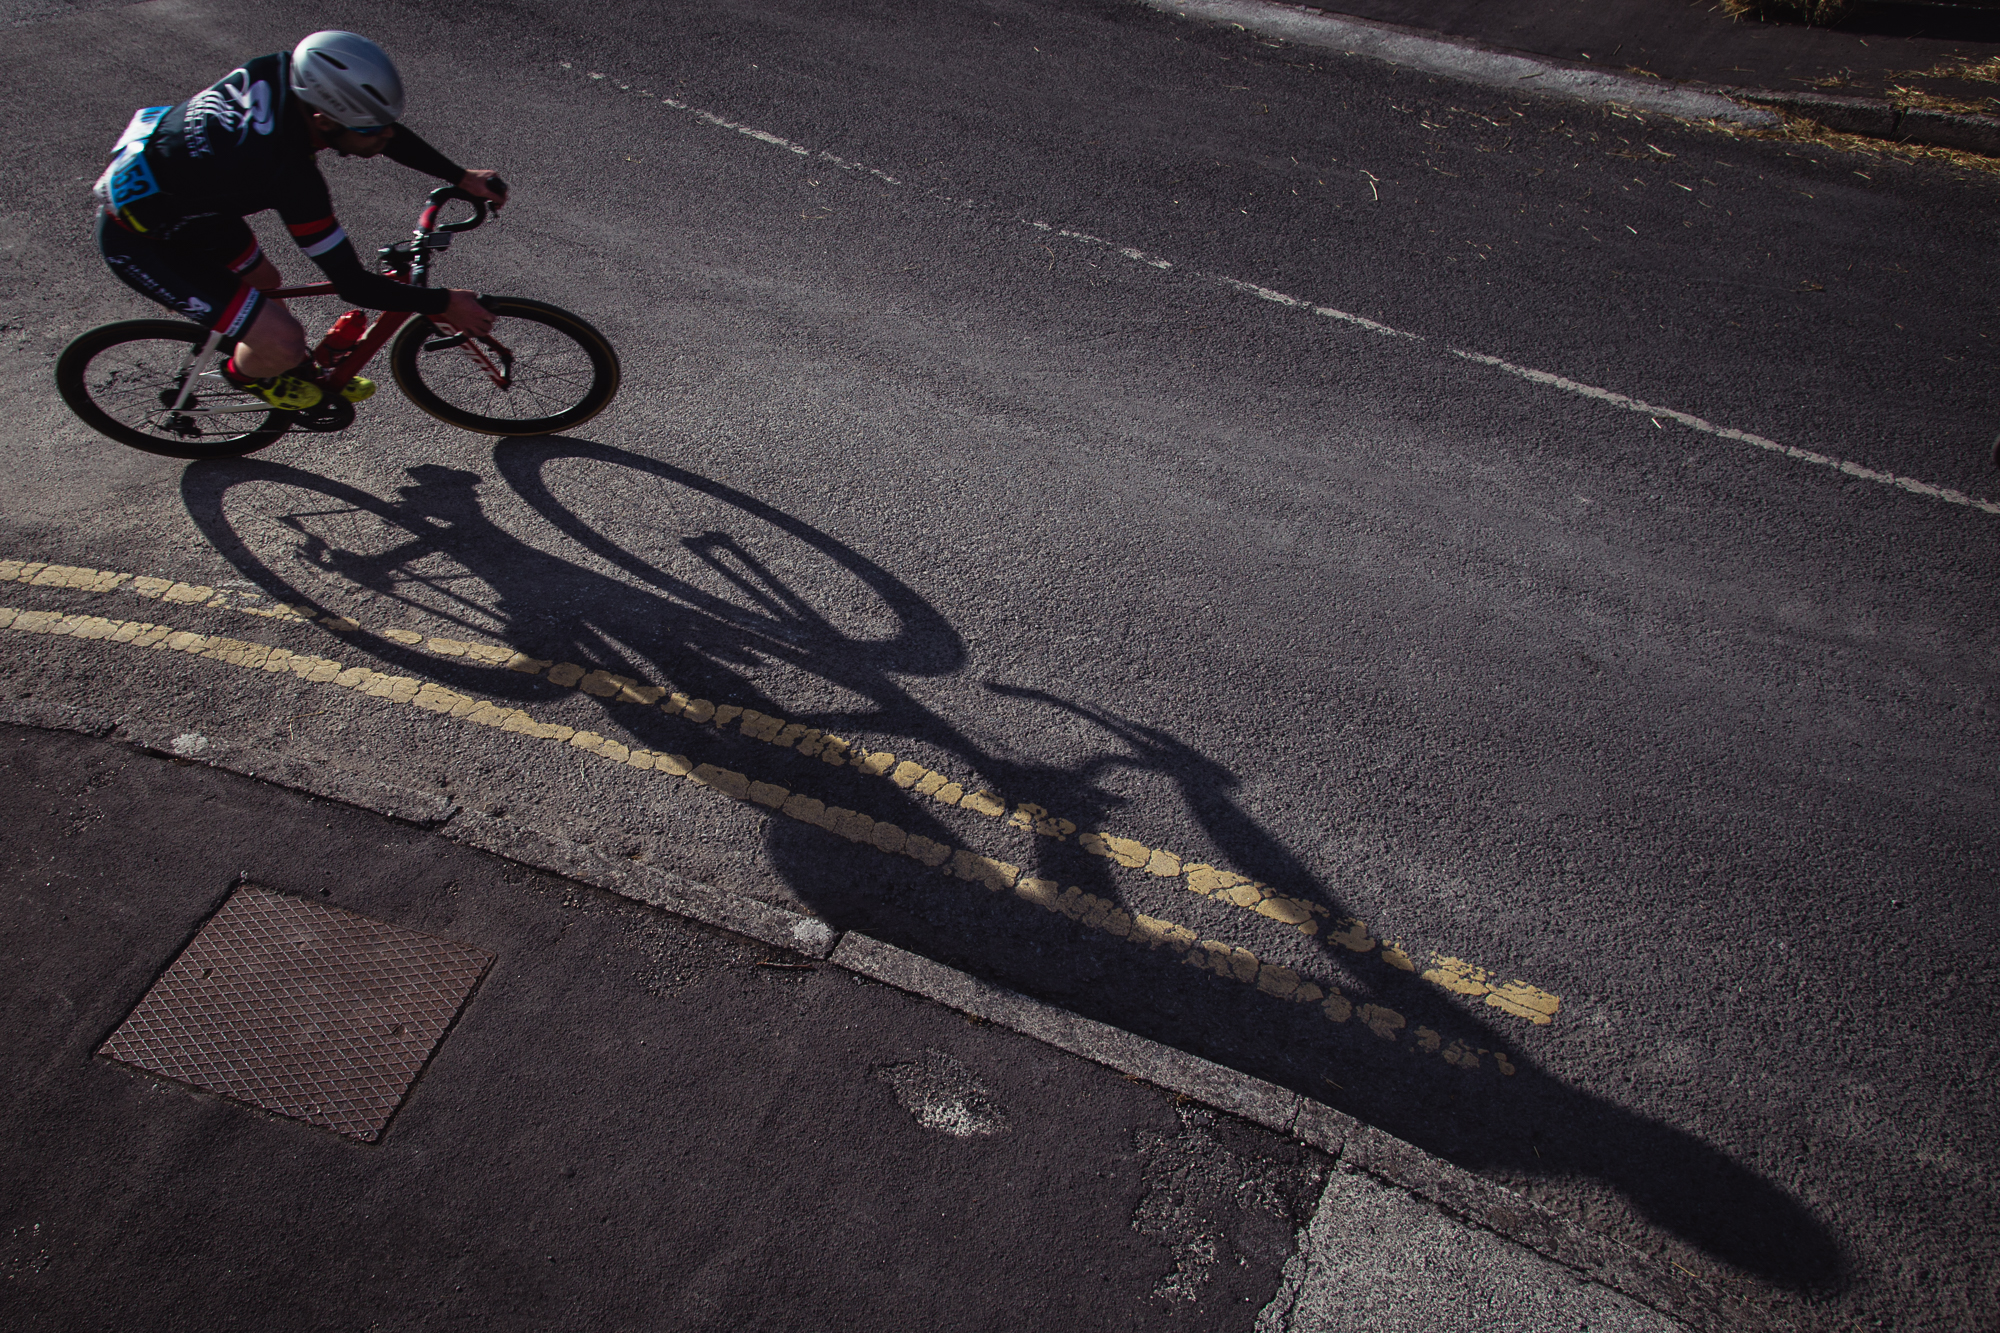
[1874, 118]
[1515, 72]
[733, 912]
[1466, 60]
[1206, 1082]
[1353, 1145]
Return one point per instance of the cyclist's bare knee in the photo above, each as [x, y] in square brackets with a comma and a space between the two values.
[265, 276]
[273, 343]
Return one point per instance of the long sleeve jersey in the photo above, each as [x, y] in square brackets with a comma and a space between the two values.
[243, 146]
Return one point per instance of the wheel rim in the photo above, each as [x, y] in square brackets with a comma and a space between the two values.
[134, 384]
[551, 372]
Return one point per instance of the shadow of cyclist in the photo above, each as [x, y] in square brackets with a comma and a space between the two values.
[448, 559]
[725, 621]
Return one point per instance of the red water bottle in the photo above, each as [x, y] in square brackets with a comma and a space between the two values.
[341, 338]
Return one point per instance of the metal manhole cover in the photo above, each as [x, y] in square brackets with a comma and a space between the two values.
[300, 1009]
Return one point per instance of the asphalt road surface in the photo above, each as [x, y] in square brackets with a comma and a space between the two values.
[1321, 512]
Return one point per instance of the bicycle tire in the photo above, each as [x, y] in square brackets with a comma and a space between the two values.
[562, 368]
[85, 375]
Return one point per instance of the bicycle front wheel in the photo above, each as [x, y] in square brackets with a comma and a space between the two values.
[124, 380]
[542, 370]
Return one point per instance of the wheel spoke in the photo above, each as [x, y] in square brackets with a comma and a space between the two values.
[135, 384]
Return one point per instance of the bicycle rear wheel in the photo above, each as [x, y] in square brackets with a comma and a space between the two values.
[123, 379]
[542, 370]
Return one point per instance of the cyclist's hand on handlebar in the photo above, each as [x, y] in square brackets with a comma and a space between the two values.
[466, 315]
[484, 184]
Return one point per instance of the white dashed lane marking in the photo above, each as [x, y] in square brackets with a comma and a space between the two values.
[1545, 379]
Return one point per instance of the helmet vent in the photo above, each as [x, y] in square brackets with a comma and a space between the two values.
[347, 77]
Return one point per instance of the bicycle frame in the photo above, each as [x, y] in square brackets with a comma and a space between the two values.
[379, 333]
[407, 263]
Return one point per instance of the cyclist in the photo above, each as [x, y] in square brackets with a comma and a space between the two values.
[182, 179]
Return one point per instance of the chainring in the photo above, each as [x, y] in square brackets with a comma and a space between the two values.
[329, 415]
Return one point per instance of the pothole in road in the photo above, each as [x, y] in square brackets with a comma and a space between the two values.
[944, 1095]
[1211, 1205]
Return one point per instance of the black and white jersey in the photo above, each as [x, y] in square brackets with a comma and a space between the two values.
[242, 146]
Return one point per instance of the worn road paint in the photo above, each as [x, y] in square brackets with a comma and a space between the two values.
[1223, 959]
[747, 131]
[1541, 377]
[1910, 484]
[1516, 998]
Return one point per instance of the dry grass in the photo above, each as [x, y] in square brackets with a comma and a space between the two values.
[1789, 11]
[1905, 98]
[1984, 71]
[1800, 130]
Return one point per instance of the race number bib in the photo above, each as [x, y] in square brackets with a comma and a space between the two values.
[128, 179]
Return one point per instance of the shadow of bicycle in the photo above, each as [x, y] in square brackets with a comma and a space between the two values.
[727, 597]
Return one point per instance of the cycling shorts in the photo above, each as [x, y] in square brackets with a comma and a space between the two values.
[196, 271]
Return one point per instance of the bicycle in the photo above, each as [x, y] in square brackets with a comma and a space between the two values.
[157, 384]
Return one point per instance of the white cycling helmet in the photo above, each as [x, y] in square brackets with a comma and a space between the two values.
[349, 78]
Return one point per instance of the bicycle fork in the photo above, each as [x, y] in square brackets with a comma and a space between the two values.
[502, 373]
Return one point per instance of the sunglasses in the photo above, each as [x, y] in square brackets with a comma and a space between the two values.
[366, 130]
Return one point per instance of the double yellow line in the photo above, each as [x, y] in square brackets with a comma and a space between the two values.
[1516, 998]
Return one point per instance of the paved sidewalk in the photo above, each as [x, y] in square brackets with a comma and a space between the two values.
[1375, 1260]
[1877, 49]
[635, 1122]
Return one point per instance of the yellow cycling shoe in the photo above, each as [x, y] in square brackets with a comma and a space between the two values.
[357, 389]
[287, 392]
